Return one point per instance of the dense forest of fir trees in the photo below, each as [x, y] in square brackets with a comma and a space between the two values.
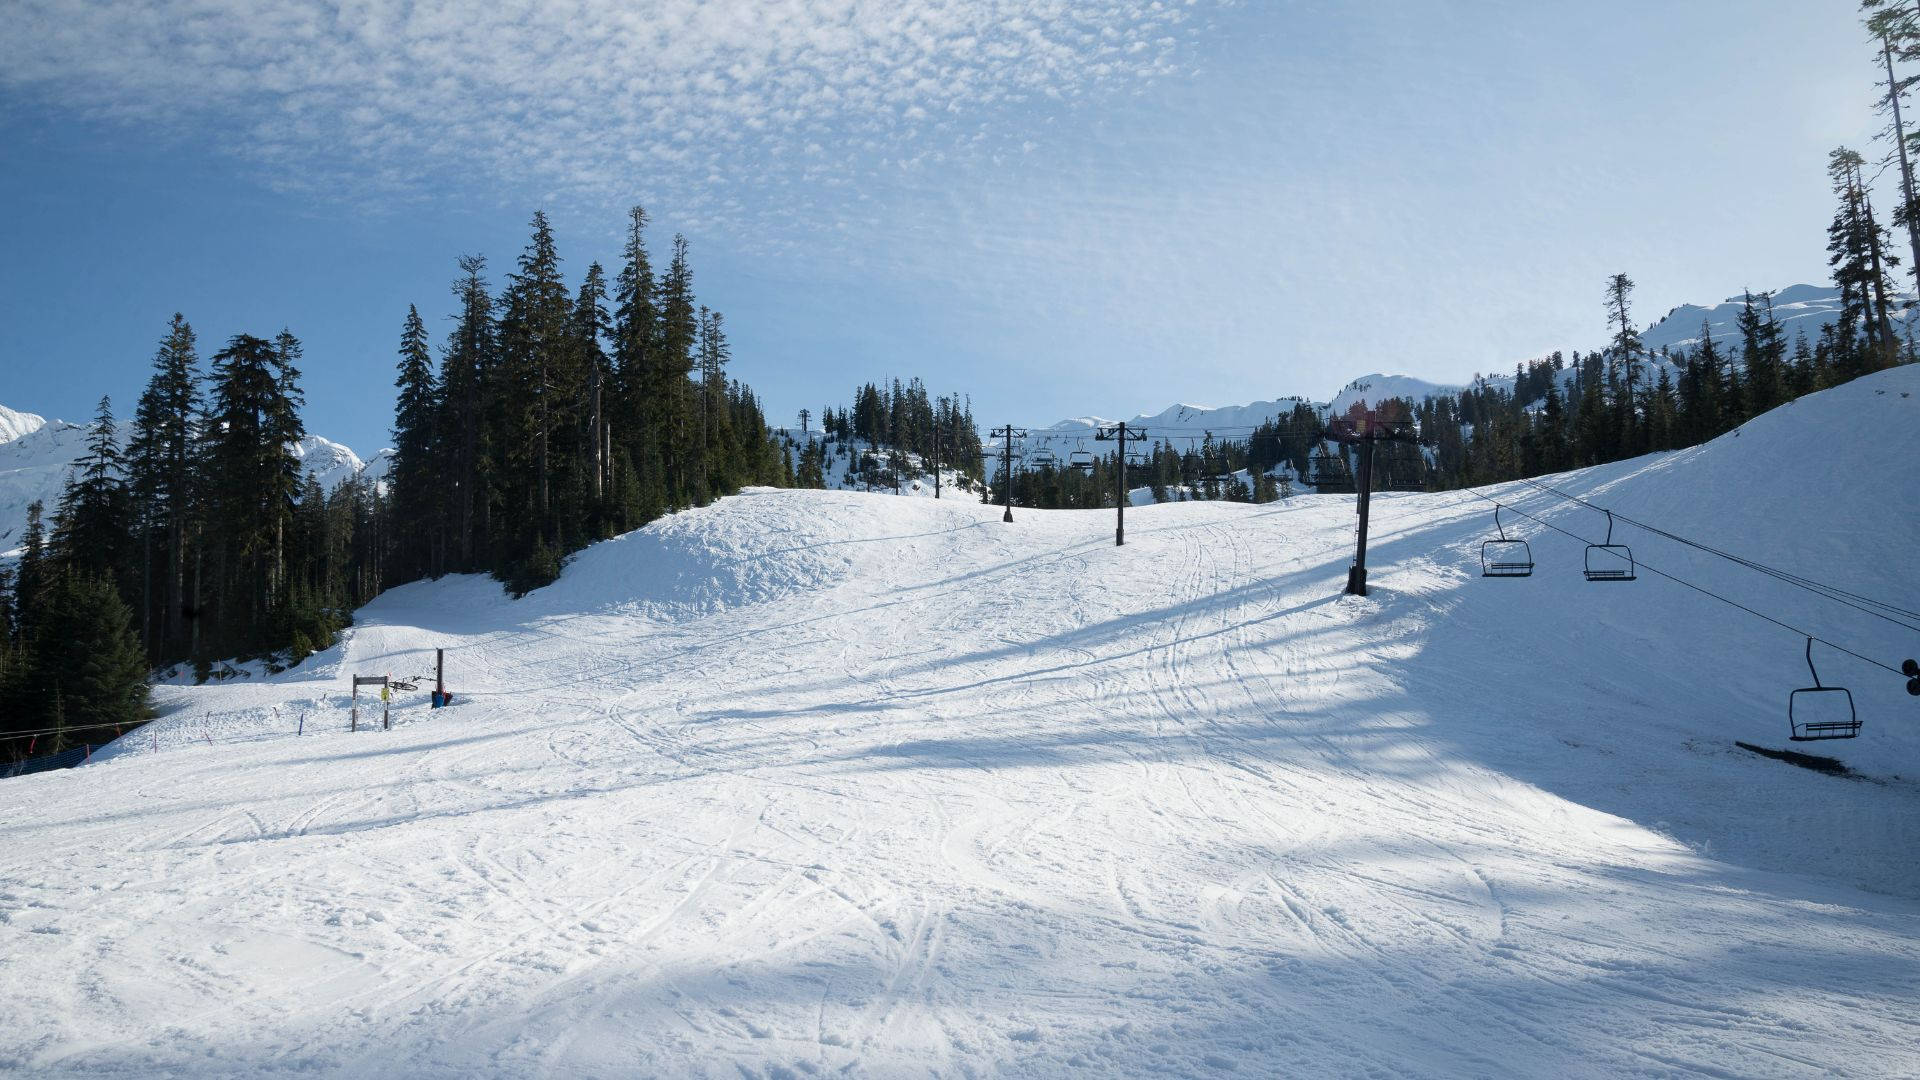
[554, 417]
[559, 417]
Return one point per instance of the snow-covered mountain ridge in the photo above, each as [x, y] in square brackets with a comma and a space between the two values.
[1800, 309]
[37, 455]
[15, 424]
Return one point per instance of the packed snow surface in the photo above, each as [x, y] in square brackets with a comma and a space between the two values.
[810, 783]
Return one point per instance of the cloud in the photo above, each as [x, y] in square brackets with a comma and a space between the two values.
[600, 101]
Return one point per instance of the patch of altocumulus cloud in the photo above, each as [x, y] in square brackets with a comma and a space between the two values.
[1062, 207]
[727, 110]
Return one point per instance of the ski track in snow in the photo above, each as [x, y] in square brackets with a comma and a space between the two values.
[809, 784]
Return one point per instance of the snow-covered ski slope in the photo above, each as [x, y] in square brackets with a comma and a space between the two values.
[810, 783]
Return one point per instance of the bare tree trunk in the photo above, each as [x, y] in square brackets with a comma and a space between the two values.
[593, 429]
[1883, 334]
[1906, 167]
[146, 588]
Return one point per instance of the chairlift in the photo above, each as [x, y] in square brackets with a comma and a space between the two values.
[1043, 458]
[1605, 561]
[1081, 460]
[1505, 556]
[1813, 712]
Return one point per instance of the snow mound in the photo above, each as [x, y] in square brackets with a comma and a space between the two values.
[758, 547]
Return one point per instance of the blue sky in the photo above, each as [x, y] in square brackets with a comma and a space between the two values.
[1059, 207]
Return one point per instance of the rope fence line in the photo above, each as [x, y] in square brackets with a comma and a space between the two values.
[200, 728]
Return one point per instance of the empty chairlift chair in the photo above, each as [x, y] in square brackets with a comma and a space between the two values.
[1505, 556]
[1821, 712]
[1081, 460]
[1609, 561]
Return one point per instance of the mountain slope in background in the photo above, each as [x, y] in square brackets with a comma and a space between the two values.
[33, 467]
[1800, 309]
[15, 424]
[812, 783]
[327, 461]
[35, 464]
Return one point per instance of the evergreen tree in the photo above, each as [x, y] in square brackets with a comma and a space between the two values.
[90, 533]
[1855, 247]
[33, 577]
[1625, 352]
[1759, 347]
[467, 369]
[591, 325]
[672, 391]
[88, 658]
[719, 451]
[1896, 26]
[539, 388]
[639, 416]
[161, 472]
[252, 479]
[1708, 404]
[415, 490]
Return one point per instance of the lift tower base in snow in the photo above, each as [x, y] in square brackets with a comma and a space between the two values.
[1364, 427]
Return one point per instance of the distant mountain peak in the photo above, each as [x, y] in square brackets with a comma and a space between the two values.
[13, 424]
[37, 455]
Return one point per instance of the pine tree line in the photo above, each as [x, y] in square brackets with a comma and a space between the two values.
[194, 538]
[905, 429]
[559, 417]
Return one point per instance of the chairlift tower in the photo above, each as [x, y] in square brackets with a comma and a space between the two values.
[1119, 434]
[1364, 428]
[1008, 433]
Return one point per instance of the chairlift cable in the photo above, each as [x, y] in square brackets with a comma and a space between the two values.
[1831, 592]
[1700, 589]
[1784, 575]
